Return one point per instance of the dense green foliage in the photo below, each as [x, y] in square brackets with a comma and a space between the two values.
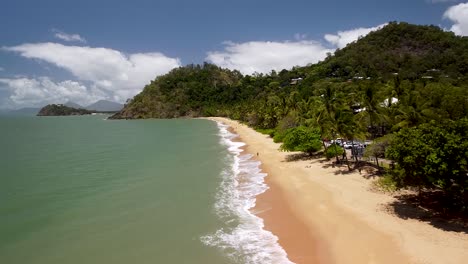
[62, 110]
[333, 150]
[192, 90]
[409, 50]
[302, 139]
[403, 79]
[432, 155]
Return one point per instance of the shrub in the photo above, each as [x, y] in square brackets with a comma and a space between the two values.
[278, 137]
[378, 147]
[302, 139]
[334, 150]
[284, 125]
[433, 155]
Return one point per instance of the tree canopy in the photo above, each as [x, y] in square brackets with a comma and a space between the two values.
[61, 110]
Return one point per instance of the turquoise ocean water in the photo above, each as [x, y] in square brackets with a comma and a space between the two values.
[84, 189]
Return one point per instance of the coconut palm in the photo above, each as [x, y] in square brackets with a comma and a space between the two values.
[371, 112]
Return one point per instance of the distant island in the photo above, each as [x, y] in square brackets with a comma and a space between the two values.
[62, 110]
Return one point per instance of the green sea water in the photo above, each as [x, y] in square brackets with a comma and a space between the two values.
[83, 189]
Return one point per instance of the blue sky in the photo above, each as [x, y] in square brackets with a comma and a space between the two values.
[54, 51]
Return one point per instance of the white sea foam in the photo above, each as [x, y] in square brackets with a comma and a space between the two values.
[242, 238]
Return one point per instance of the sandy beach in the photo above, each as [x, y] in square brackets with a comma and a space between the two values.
[322, 214]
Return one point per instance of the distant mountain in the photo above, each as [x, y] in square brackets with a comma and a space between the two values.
[72, 105]
[27, 111]
[105, 106]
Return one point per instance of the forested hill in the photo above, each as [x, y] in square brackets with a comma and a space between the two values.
[61, 110]
[394, 60]
[409, 50]
[185, 91]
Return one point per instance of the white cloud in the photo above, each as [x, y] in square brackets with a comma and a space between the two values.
[343, 38]
[459, 15]
[262, 57]
[2, 69]
[41, 91]
[120, 76]
[68, 37]
[105, 73]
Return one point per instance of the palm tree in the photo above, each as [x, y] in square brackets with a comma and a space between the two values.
[293, 100]
[347, 126]
[412, 111]
[323, 121]
[371, 109]
[331, 103]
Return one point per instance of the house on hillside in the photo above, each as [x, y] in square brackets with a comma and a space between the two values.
[295, 81]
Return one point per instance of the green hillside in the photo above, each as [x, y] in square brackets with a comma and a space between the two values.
[403, 61]
[406, 82]
[61, 110]
[411, 51]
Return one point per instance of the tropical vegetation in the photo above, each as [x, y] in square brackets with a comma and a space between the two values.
[406, 82]
[61, 110]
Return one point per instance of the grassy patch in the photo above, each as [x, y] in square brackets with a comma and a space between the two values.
[266, 131]
[386, 184]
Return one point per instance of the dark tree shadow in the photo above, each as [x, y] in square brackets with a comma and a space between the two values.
[369, 169]
[432, 207]
[343, 170]
[304, 156]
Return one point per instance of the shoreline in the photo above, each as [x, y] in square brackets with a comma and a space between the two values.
[300, 243]
[321, 216]
[303, 247]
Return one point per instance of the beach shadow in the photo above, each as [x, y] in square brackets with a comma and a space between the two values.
[432, 207]
[333, 164]
[366, 171]
[343, 170]
[303, 156]
[369, 170]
